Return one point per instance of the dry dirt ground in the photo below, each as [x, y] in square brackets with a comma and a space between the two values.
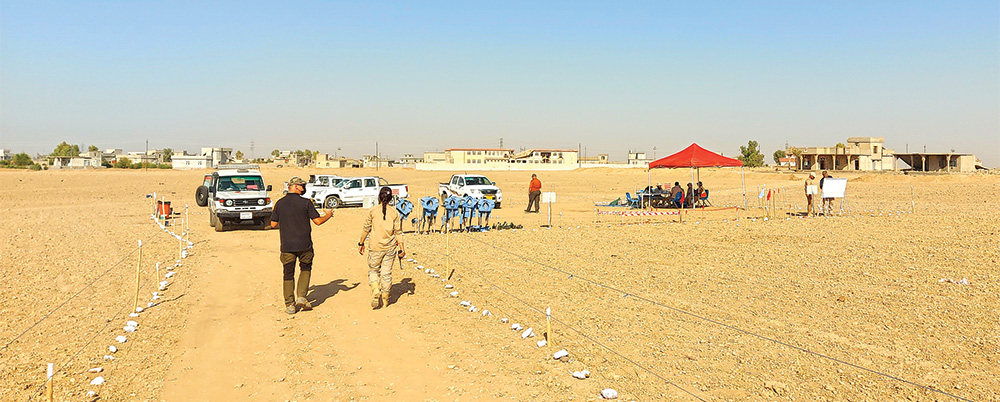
[866, 306]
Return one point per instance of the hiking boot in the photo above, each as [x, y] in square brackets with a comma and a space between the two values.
[376, 296]
[290, 308]
[385, 299]
[303, 304]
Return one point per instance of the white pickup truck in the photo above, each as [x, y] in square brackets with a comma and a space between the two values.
[473, 185]
[353, 190]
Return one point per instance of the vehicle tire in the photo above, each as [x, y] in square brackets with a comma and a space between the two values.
[211, 219]
[265, 224]
[332, 202]
[219, 226]
[201, 196]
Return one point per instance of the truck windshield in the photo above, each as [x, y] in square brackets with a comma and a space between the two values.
[241, 183]
[477, 181]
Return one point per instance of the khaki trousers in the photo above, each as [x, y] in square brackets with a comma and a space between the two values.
[380, 267]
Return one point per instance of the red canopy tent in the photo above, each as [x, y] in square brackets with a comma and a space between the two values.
[695, 156]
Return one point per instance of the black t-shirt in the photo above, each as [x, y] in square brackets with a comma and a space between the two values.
[293, 213]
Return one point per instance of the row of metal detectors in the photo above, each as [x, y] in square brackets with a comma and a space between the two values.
[458, 214]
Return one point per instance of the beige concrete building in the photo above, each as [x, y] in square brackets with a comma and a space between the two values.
[940, 162]
[325, 161]
[860, 153]
[500, 159]
[550, 156]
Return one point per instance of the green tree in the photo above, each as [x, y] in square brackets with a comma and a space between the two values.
[92, 148]
[168, 154]
[275, 153]
[778, 155]
[35, 166]
[65, 149]
[750, 155]
[123, 163]
[239, 155]
[22, 159]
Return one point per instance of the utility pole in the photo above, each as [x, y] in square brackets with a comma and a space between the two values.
[501, 142]
[251, 150]
[143, 159]
[376, 156]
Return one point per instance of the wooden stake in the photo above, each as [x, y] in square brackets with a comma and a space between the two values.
[548, 326]
[912, 205]
[138, 265]
[48, 382]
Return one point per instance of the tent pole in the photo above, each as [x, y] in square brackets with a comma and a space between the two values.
[648, 183]
[692, 185]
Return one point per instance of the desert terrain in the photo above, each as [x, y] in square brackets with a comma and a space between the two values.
[897, 299]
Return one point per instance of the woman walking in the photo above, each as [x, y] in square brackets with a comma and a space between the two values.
[384, 246]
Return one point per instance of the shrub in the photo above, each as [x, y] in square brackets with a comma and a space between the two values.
[35, 166]
[123, 163]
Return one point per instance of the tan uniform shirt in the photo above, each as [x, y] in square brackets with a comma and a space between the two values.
[383, 231]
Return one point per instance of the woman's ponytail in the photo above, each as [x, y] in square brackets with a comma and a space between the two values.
[384, 196]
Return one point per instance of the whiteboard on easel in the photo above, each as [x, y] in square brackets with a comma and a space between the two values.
[834, 187]
[548, 197]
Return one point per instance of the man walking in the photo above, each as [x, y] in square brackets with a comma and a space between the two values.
[534, 193]
[291, 215]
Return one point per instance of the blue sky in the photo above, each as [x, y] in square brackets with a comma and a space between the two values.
[419, 76]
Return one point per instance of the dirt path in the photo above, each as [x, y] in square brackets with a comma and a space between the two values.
[239, 342]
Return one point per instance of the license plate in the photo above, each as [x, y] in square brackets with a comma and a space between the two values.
[246, 215]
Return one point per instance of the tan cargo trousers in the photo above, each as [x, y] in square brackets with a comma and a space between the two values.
[380, 268]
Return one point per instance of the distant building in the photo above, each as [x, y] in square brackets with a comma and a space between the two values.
[408, 160]
[325, 161]
[499, 159]
[601, 159]
[860, 153]
[638, 158]
[788, 161]
[372, 161]
[5, 155]
[938, 162]
[208, 158]
[546, 156]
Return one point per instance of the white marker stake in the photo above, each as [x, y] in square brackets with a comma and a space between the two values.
[138, 265]
[48, 381]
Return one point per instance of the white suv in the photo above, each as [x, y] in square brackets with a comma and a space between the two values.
[238, 196]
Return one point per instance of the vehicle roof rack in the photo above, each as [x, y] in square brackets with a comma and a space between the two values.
[238, 166]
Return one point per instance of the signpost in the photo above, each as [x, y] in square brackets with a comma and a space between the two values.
[549, 198]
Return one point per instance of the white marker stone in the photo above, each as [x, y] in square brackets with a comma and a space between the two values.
[465, 303]
[97, 381]
[448, 286]
[121, 339]
[528, 333]
[96, 370]
[112, 348]
[609, 393]
[542, 343]
[109, 357]
[453, 294]
[560, 354]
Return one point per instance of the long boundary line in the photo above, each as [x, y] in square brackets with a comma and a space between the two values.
[113, 266]
[584, 335]
[719, 323]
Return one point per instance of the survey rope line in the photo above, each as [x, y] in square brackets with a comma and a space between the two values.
[68, 360]
[71, 297]
[734, 328]
[584, 335]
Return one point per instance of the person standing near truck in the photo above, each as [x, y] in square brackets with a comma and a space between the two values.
[534, 193]
[384, 246]
[291, 215]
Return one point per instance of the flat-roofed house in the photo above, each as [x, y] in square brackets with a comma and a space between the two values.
[860, 153]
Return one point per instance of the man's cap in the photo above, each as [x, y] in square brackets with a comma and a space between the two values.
[812, 175]
[296, 180]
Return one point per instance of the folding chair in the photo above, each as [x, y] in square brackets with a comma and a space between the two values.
[632, 202]
[703, 201]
